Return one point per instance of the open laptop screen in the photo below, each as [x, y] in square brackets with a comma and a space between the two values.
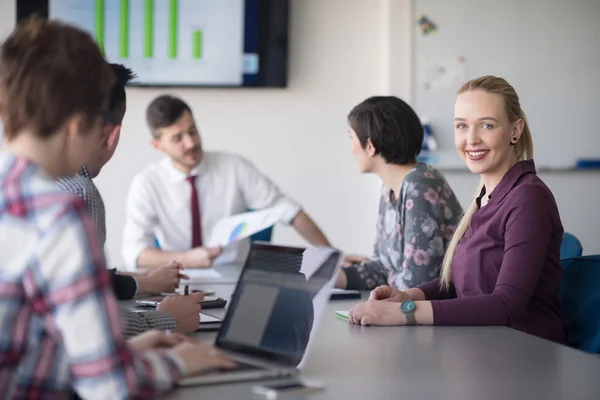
[278, 302]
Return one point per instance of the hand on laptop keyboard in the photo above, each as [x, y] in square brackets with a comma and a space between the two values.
[199, 358]
[239, 366]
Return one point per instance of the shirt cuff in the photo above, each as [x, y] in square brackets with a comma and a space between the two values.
[438, 315]
[130, 253]
[431, 289]
[162, 320]
[353, 280]
[291, 211]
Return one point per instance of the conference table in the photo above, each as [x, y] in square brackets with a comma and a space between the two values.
[422, 362]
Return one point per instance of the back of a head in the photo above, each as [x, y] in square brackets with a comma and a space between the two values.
[164, 111]
[514, 112]
[118, 99]
[50, 72]
[391, 125]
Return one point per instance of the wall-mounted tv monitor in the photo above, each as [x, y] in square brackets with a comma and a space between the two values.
[171, 43]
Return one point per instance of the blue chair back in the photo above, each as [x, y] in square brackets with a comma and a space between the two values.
[580, 302]
[262, 236]
[570, 246]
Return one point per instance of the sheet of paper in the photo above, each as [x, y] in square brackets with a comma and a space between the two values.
[209, 319]
[241, 226]
[201, 273]
[342, 315]
[312, 259]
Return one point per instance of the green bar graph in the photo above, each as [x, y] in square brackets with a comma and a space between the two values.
[124, 29]
[172, 28]
[148, 25]
[99, 24]
[197, 44]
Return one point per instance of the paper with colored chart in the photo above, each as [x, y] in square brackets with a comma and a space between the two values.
[237, 227]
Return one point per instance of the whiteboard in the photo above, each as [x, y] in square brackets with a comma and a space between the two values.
[548, 50]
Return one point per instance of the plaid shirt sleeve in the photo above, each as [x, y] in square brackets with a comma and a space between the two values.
[70, 286]
[135, 323]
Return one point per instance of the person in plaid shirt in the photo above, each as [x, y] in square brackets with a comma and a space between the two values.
[175, 313]
[60, 320]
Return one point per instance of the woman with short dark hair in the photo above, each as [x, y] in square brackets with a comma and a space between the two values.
[418, 211]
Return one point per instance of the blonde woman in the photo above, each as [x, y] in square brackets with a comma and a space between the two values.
[502, 265]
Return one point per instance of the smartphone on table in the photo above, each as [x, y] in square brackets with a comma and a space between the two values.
[281, 389]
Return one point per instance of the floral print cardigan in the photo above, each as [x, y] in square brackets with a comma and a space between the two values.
[413, 232]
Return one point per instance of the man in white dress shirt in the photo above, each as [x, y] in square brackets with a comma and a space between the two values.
[178, 200]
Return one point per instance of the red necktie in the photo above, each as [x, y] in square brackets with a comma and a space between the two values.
[195, 207]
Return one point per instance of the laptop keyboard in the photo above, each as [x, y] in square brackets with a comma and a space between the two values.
[240, 366]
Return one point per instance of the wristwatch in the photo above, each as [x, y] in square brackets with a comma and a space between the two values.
[408, 308]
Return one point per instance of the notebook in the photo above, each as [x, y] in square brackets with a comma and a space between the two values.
[209, 319]
[342, 315]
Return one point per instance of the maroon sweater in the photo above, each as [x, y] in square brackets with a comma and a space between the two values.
[506, 268]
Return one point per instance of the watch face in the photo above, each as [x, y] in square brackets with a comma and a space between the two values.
[407, 306]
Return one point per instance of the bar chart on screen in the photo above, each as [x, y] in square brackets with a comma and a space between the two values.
[193, 41]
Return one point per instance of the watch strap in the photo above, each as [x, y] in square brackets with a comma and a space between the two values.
[410, 315]
[410, 318]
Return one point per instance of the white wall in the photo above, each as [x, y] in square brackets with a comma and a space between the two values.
[341, 51]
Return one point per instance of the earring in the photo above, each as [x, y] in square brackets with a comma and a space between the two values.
[514, 141]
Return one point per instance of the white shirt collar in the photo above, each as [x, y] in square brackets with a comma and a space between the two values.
[178, 176]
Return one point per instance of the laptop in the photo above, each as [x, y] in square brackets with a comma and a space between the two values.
[274, 312]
